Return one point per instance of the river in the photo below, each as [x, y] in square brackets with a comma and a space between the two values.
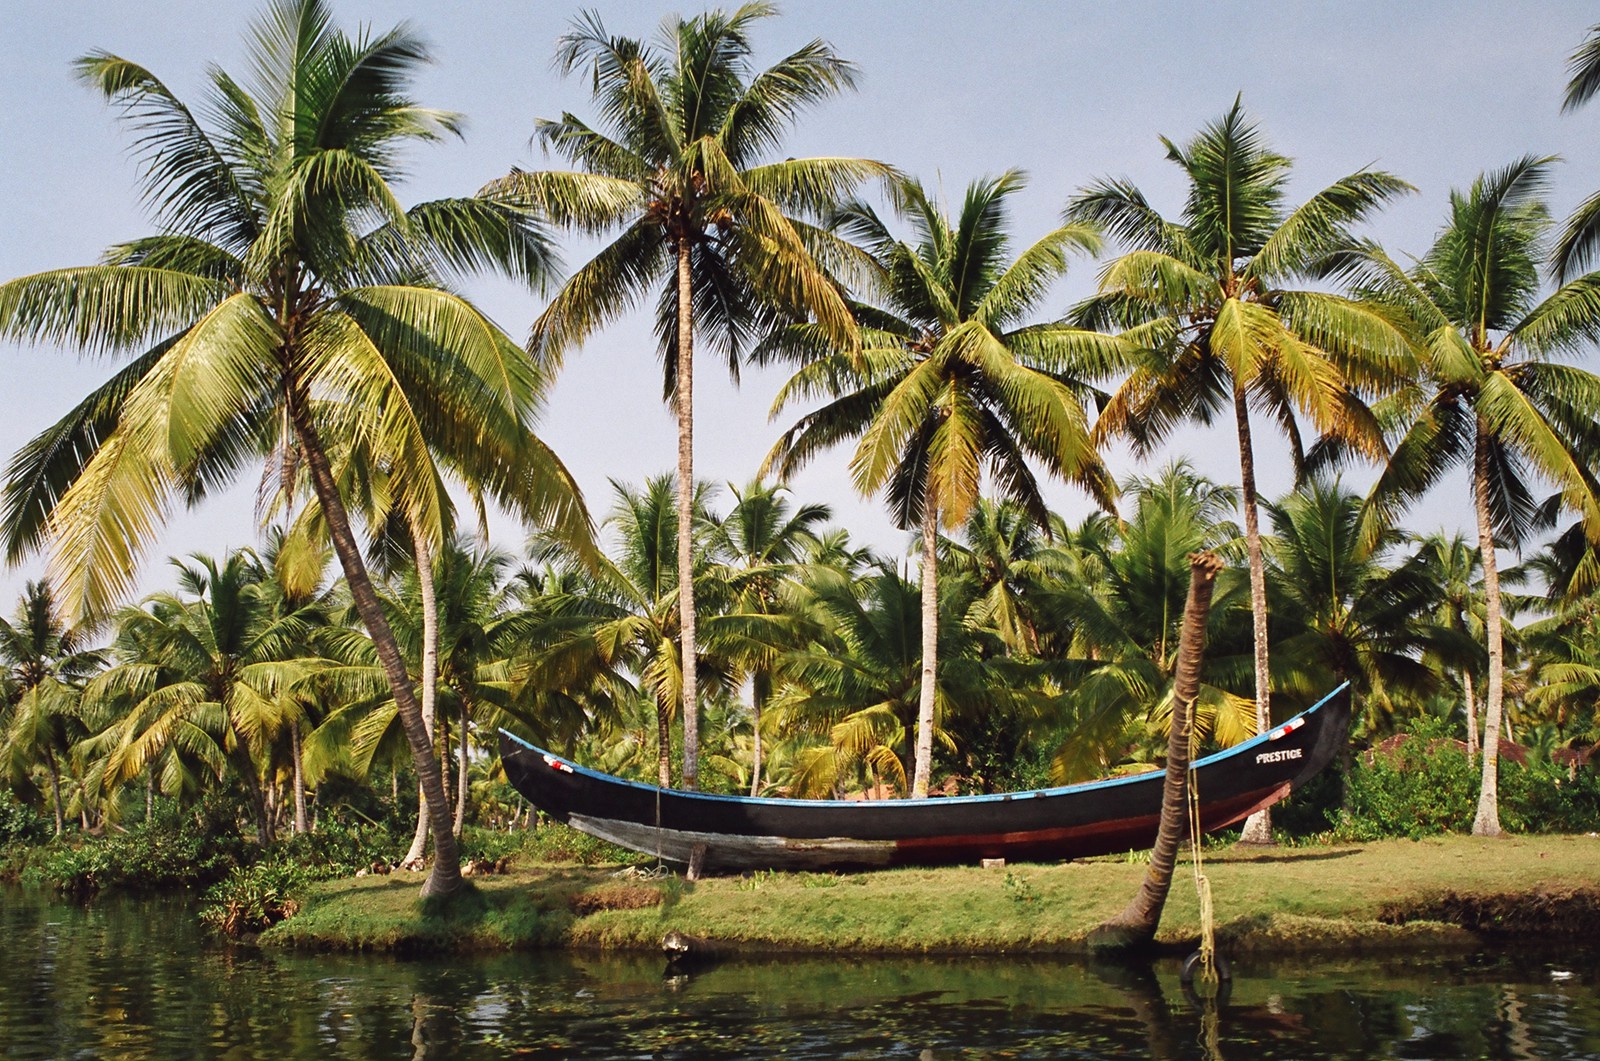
[137, 978]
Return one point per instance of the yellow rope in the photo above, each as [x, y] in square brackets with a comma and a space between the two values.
[1202, 884]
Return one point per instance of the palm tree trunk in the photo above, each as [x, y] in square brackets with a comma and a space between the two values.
[463, 792]
[300, 824]
[446, 875]
[1487, 820]
[244, 762]
[1258, 827]
[1136, 925]
[685, 396]
[930, 646]
[55, 790]
[430, 678]
[1472, 714]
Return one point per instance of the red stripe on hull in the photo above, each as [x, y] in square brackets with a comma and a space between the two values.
[1077, 841]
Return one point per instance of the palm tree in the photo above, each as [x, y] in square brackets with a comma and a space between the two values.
[209, 671]
[1496, 397]
[1008, 558]
[950, 381]
[1203, 297]
[45, 666]
[1455, 566]
[760, 543]
[289, 304]
[619, 631]
[680, 174]
[1354, 613]
[1579, 245]
[1124, 623]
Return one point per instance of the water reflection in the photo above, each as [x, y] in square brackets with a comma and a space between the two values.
[136, 979]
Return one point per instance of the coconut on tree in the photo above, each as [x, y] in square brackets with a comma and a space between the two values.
[688, 175]
[286, 297]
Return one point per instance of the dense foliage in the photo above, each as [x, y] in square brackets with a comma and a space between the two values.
[264, 723]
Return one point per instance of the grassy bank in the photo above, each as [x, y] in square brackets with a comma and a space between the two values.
[1436, 892]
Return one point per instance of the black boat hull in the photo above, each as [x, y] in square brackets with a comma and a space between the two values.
[1076, 821]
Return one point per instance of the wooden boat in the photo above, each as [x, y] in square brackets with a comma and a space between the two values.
[1073, 821]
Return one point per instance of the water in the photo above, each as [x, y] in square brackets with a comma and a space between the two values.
[137, 978]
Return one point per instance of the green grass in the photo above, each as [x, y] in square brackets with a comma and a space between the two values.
[1379, 895]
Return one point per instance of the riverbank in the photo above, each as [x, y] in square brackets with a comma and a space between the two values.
[1446, 892]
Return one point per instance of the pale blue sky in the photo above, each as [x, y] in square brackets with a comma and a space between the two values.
[1433, 91]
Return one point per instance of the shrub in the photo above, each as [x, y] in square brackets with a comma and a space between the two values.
[556, 842]
[1425, 787]
[337, 849]
[19, 824]
[252, 898]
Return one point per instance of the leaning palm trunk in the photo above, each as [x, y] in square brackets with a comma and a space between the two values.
[930, 647]
[430, 679]
[1487, 820]
[685, 395]
[446, 875]
[1258, 827]
[1136, 925]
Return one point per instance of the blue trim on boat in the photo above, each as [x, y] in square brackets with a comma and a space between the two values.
[901, 804]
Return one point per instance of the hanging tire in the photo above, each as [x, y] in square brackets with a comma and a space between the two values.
[1191, 973]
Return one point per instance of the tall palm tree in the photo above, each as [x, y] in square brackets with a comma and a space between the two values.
[1496, 396]
[1204, 297]
[289, 303]
[950, 381]
[680, 175]
[44, 668]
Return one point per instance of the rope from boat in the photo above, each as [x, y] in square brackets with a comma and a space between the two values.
[1202, 883]
[659, 861]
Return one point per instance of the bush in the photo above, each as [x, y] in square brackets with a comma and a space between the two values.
[550, 842]
[1543, 798]
[19, 824]
[1426, 787]
[339, 850]
[252, 898]
[1429, 786]
[152, 856]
